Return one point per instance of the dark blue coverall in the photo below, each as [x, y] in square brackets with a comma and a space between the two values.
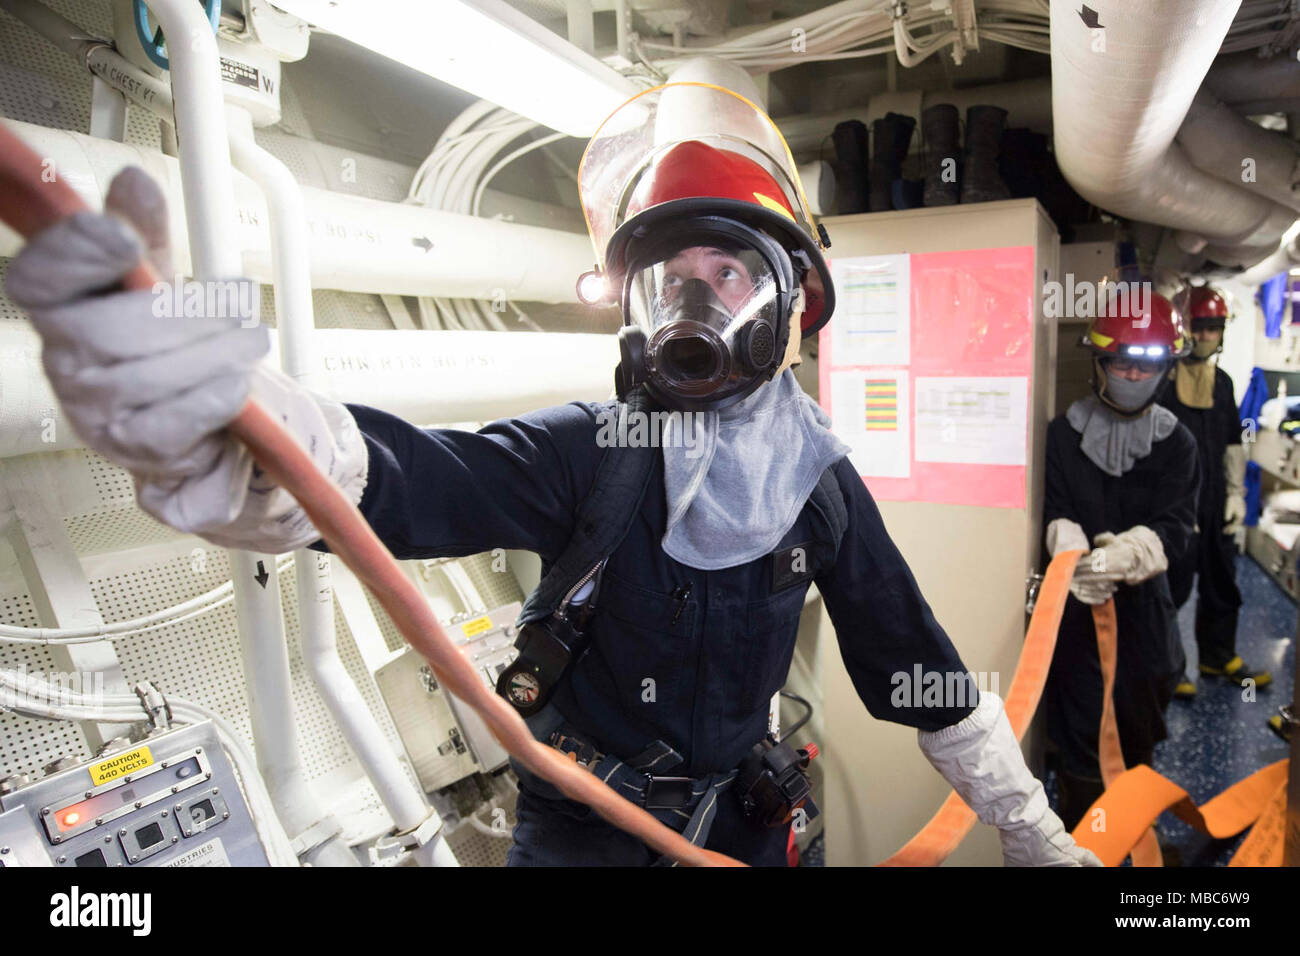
[716, 644]
[1213, 554]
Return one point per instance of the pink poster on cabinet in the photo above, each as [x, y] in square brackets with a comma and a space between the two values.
[925, 371]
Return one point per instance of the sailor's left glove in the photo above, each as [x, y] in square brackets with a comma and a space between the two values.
[980, 757]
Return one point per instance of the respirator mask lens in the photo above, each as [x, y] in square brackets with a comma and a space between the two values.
[711, 310]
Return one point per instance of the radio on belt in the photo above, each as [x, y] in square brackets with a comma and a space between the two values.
[170, 799]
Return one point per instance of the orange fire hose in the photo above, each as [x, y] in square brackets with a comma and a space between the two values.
[31, 201]
[1134, 798]
[947, 828]
[1119, 823]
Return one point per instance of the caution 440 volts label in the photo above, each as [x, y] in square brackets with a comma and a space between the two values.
[119, 765]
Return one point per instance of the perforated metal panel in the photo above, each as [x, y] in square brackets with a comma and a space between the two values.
[43, 85]
[336, 310]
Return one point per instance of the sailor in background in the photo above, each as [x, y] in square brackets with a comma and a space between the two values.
[1121, 476]
[1202, 398]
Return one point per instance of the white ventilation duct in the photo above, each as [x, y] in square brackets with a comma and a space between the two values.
[1227, 145]
[1120, 94]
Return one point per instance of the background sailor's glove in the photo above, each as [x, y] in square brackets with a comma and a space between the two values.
[980, 757]
[1066, 535]
[153, 393]
[1135, 555]
[1234, 479]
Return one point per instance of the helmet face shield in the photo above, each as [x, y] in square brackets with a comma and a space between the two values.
[684, 151]
[709, 311]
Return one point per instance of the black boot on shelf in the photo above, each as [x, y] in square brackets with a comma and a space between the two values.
[939, 129]
[851, 161]
[980, 180]
[890, 136]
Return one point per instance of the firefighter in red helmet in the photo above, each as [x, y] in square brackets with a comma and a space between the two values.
[1202, 398]
[1121, 484]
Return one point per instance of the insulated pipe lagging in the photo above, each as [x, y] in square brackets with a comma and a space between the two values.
[1120, 96]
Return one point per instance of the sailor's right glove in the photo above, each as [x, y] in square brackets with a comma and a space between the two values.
[153, 393]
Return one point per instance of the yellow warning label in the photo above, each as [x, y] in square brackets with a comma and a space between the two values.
[119, 765]
[477, 626]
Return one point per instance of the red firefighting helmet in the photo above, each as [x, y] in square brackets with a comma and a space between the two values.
[1207, 303]
[1137, 323]
[685, 152]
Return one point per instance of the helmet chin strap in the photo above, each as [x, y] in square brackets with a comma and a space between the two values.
[792, 357]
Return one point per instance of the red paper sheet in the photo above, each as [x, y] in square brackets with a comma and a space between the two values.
[971, 316]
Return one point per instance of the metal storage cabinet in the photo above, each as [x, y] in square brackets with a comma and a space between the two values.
[971, 562]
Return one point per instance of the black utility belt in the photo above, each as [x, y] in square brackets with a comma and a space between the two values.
[770, 783]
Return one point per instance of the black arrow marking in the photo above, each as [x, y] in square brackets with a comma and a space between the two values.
[1090, 18]
[423, 242]
[261, 577]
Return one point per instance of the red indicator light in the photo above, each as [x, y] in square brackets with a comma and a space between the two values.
[70, 819]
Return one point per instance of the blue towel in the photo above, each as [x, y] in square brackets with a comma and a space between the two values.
[1272, 299]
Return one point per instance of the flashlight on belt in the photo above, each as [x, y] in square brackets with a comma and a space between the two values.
[772, 784]
[548, 647]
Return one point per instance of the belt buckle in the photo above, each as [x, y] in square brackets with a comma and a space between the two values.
[667, 793]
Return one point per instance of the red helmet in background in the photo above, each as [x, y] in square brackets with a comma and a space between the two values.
[1207, 304]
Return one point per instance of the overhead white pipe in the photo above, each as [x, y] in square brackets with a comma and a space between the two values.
[355, 244]
[291, 270]
[423, 376]
[209, 202]
[1119, 109]
[401, 798]
[209, 205]
[278, 753]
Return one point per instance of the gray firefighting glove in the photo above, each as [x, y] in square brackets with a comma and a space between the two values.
[153, 393]
[1136, 555]
[980, 757]
[1234, 477]
[1087, 585]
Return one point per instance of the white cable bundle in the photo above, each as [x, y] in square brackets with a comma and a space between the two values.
[850, 33]
[453, 178]
[209, 601]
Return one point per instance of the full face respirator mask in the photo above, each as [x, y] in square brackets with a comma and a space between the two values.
[706, 313]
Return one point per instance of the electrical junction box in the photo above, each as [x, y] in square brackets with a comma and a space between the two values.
[170, 799]
[443, 736]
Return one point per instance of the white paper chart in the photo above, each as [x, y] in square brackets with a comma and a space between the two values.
[869, 412]
[976, 421]
[872, 310]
